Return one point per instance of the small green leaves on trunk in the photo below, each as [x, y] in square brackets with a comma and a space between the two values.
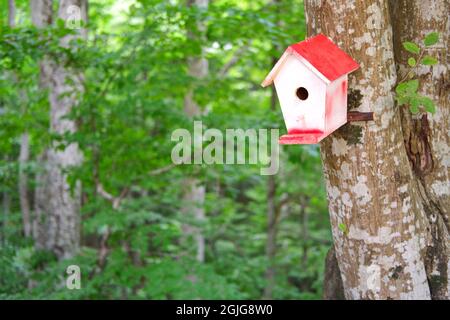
[406, 89]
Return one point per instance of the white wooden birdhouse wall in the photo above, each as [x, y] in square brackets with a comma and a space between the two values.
[311, 83]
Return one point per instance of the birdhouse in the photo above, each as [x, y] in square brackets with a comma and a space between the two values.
[311, 83]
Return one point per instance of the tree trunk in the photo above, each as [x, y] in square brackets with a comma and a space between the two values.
[426, 136]
[271, 242]
[57, 204]
[6, 199]
[194, 191]
[378, 221]
[23, 183]
[6, 206]
[11, 13]
[24, 147]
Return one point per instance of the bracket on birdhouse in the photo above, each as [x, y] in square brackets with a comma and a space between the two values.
[354, 116]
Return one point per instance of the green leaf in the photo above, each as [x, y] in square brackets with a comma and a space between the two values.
[401, 88]
[402, 99]
[429, 61]
[431, 38]
[414, 109]
[408, 87]
[428, 103]
[412, 85]
[414, 105]
[343, 227]
[60, 23]
[412, 62]
[411, 47]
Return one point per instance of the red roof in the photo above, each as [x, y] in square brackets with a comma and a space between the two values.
[321, 53]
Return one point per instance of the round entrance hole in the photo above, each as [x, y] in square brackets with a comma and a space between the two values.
[302, 93]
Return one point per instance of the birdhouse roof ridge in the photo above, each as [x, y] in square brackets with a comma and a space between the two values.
[321, 55]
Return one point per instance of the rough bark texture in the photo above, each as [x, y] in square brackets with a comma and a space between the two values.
[57, 226]
[427, 139]
[378, 221]
[194, 195]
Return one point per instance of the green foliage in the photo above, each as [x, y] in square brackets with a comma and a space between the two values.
[407, 88]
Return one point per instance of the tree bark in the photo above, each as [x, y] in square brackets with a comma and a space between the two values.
[426, 136]
[57, 204]
[194, 191]
[378, 220]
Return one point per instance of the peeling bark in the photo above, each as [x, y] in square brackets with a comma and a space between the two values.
[369, 181]
[57, 226]
[426, 136]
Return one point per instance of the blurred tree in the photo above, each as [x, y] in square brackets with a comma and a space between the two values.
[194, 193]
[136, 81]
[57, 219]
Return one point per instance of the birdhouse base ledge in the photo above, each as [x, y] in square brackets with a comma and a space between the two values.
[300, 138]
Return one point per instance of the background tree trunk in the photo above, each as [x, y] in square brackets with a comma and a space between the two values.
[426, 136]
[6, 198]
[23, 183]
[271, 242]
[378, 222]
[194, 191]
[57, 204]
[11, 13]
[24, 146]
